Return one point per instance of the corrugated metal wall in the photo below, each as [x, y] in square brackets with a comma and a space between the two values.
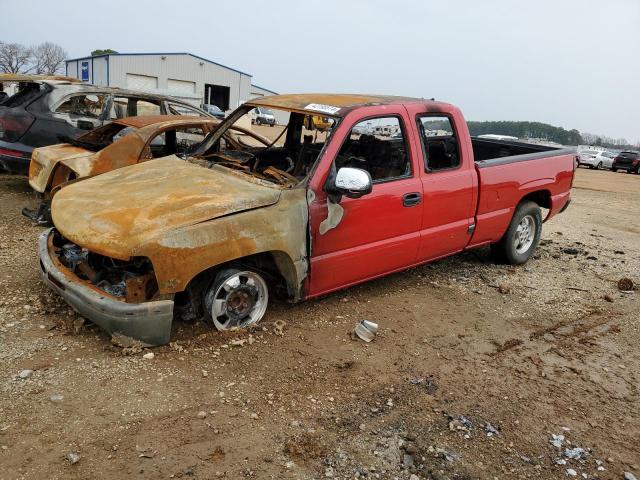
[180, 67]
[98, 69]
[112, 70]
[101, 71]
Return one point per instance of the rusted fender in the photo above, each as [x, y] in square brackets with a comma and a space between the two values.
[115, 213]
[186, 219]
[45, 159]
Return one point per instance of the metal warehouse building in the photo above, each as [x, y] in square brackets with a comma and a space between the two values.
[183, 75]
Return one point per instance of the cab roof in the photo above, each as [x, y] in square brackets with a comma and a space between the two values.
[331, 104]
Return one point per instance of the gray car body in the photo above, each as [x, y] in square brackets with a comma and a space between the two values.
[49, 126]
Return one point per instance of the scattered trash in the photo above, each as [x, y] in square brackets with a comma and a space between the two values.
[366, 330]
[278, 327]
[144, 452]
[608, 298]
[461, 423]
[556, 440]
[25, 374]
[574, 453]
[148, 356]
[560, 461]
[430, 385]
[56, 398]
[571, 472]
[202, 414]
[490, 430]
[625, 285]
[72, 457]
[629, 476]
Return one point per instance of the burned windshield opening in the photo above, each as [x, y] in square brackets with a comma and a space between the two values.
[282, 151]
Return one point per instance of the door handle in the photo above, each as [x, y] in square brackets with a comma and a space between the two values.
[411, 199]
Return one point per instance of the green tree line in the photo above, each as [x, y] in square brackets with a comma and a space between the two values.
[527, 130]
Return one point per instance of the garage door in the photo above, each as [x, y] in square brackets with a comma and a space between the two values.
[181, 86]
[141, 82]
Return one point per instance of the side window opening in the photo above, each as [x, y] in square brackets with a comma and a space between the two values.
[122, 107]
[378, 146]
[439, 143]
[177, 109]
[83, 105]
[178, 141]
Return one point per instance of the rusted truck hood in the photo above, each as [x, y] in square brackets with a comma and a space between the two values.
[116, 213]
[45, 159]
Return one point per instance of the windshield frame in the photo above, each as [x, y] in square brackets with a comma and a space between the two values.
[229, 122]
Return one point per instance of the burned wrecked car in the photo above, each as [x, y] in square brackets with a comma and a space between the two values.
[218, 233]
[123, 142]
[47, 108]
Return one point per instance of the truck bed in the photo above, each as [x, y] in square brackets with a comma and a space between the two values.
[488, 152]
[508, 172]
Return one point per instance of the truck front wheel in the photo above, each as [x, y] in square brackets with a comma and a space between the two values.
[522, 237]
[236, 298]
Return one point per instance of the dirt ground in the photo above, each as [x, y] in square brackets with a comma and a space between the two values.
[474, 368]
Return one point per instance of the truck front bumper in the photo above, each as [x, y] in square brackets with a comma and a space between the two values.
[148, 322]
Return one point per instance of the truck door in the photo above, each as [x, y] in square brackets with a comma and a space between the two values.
[449, 186]
[379, 232]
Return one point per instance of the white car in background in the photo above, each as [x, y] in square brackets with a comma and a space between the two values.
[597, 159]
[262, 116]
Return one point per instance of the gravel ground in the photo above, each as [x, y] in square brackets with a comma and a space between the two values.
[476, 366]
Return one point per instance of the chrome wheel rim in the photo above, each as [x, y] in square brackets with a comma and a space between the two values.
[240, 301]
[525, 233]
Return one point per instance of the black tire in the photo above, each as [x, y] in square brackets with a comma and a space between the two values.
[599, 166]
[251, 303]
[506, 250]
[614, 170]
[629, 171]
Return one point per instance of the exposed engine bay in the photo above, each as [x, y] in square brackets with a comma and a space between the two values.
[132, 281]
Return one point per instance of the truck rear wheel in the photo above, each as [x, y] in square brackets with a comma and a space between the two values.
[521, 239]
[236, 298]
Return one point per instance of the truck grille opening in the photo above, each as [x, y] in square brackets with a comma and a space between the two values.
[133, 280]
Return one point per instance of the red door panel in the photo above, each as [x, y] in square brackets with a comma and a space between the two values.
[377, 234]
[448, 212]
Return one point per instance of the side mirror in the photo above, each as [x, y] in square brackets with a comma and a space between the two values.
[352, 182]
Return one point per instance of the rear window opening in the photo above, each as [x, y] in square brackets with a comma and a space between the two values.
[27, 92]
[100, 138]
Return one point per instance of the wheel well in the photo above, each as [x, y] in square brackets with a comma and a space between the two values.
[61, 175]
[276, 266]
[541, 197]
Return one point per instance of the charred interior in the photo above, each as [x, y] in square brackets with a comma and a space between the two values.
[132, 281]
[285, 161]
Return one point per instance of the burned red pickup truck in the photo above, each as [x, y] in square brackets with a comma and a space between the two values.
[395, 182]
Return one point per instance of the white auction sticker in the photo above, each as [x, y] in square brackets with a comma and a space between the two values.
[318, 107]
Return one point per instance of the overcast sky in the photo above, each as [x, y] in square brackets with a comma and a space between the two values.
[571, 63]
